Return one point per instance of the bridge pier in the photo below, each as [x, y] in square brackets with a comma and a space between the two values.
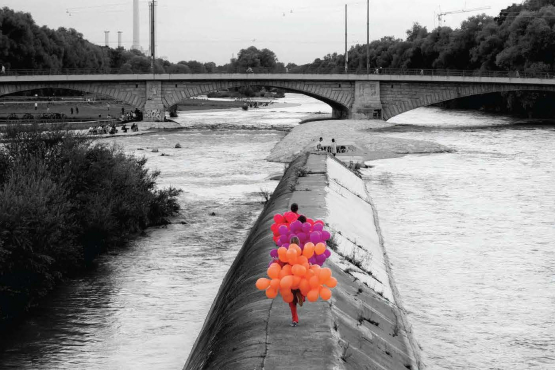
[154, 107]
[338, 113]
[367, 103]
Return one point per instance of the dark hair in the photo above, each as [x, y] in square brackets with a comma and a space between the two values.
[302, 219]
[333, 140]
[294, 207]
[321, 139]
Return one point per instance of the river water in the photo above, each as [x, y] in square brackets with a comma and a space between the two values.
[471, 238]
[144, 305]
[470, 235]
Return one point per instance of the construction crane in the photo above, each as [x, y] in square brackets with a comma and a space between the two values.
[441, 14]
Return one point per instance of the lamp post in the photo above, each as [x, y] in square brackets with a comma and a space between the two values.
[367, 37]
[346, 51]
[153, 34]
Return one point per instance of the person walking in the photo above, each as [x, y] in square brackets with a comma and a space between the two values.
[298, 297]
[76, 110]
[72, 111]
[333, 147]
[36, 106]
[3, 70]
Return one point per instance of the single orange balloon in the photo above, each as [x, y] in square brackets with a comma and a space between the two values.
[325, 293]
[286, 282]
[287, 269]
[262, 283]
[320, 248]
[331, 282]
[301, 260]
[296, 282]
[274, 283]
[301, 270]
[304, 286]
[324, 274]
[271, 293]
[273, 271]
[312, 295]
[282, 254]
[287, 298]
[285, 292]
[314, 282]
[308, 250]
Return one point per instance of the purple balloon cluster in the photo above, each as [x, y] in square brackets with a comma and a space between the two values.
[306, 233]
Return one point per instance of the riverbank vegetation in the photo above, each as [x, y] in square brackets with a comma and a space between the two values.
[63, 201]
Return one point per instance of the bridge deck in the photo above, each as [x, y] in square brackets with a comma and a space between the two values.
[276, 77]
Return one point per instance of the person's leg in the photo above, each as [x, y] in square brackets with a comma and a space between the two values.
[294, 317]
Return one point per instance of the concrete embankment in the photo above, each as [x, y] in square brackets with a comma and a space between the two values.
[362, 327]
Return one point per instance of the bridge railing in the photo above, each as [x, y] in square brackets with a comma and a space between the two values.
[373, 71]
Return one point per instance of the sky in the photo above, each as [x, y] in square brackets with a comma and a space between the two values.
[215, 30]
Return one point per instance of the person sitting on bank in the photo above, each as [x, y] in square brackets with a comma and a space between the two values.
[319, 146]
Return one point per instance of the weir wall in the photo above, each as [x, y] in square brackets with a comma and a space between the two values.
[362, 326]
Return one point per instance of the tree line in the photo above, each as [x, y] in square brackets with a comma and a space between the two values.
[25, 45]
[520, 38]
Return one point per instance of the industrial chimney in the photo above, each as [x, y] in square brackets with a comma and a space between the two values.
[120, 45]
[107, 38]
[136, 29]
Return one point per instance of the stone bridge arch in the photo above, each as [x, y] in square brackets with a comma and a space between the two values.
[130, 92]
[338, 95]
[401, 97]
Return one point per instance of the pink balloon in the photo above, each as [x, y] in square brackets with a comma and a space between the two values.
[326, 235]
[315, 237]
[318, 227]
[291, 217]
[283, 230]
[296, 226]
[306, 227]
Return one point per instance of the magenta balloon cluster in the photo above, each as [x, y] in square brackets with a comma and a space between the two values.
[287, 226]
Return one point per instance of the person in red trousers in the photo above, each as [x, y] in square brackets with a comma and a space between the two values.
[298, 297]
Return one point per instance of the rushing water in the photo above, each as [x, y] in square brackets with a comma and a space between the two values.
[470, 235]
[143, 307]
[471, 238]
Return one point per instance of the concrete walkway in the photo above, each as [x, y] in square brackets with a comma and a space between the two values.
[361, 327]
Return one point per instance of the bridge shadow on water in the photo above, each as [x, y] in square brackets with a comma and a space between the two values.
[517, 125]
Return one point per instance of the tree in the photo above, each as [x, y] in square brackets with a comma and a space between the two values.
[259, 60]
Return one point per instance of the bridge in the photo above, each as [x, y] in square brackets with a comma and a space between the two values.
[355, 96]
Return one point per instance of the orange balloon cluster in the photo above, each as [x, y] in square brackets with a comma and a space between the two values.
[297, 273]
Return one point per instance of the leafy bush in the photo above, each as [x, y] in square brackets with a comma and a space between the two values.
[64, 200]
